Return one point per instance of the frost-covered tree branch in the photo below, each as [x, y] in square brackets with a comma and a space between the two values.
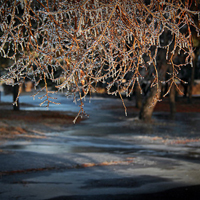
[90, 41]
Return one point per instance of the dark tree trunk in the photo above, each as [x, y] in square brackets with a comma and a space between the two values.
[191, 83]
[15, 94]
[138, 96]
[149, 104]
[172, 101]
[0, 90]
[172, 98]
[155, 92]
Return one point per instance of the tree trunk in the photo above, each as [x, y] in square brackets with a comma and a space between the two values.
[0, 90]
[191, 81]
[155, 92]
[138, 96]
[149, 104]
[172, 101]
[172, 98]
[15, 94]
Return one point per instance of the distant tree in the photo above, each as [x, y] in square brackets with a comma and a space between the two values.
[4, 63]
[79, 38]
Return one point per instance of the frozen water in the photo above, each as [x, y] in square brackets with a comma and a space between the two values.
[153, 157]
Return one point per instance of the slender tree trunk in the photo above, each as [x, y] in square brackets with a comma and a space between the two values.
[15, 94]
[172, 101]
[149, 104]
[191, 82]
[138, 96]
[0, 90]
[172, 98]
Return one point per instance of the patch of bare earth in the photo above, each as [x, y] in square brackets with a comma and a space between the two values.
[182, 105]
[32, 123]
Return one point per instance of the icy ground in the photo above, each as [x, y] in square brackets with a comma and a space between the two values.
[107, 154]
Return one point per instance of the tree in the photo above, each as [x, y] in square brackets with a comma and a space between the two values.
[92, 40]
[15, 90]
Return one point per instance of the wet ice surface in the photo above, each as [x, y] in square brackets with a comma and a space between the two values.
[164, 154]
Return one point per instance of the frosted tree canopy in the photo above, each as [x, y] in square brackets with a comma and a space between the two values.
[80, 43]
